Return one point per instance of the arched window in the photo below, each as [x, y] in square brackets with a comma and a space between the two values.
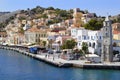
[106, 29]
[114, 44]
[93, 45]
[89, 44]
[79, 44]
[108, 24]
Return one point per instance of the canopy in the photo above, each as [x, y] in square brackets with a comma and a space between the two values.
[91, 55]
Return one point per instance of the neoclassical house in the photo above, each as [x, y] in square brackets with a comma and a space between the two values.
[35, 35]
[93, 38]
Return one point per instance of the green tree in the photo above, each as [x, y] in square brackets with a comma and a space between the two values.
[50, 43]
[44, 16]
[21, 30]
[44, 43]
[69, 44]
[94, 24]
[85, 47]
[50, 8]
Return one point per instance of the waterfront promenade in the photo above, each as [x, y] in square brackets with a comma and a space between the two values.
[59, 62]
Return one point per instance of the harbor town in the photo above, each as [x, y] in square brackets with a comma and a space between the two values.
[65, 43]
[59, 40]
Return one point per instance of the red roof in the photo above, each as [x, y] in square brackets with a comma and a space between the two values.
[116, 32]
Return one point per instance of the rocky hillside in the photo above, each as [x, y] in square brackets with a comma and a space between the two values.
[2, 13]
[51, 14]
[6, 15]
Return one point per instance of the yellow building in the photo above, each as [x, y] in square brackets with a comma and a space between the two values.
[35, 35]
[116, 31]
[116, 35]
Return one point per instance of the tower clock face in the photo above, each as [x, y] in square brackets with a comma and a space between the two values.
[107, 41]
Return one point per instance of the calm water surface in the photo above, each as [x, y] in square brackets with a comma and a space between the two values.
[15, 66]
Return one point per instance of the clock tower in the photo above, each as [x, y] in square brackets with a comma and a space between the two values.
[107, 48]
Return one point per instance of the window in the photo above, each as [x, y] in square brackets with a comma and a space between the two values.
[94, 37]
[93, 45]
[97, 37]
[114, 44]
[91, 37]
[106, 34]
[100, 37]
[106, 29]
[84, 37]
[105, 23]
[36, 40]
[99, 45]
[44, 35]
[79, 37]
[108, 24]
[41, 35]
[79, 44]
[89, 44]
[36, 35]
[88, 37]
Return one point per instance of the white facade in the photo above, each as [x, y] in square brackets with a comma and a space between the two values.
[26, 27]
[62, 24]
[87, 17]
[93, 38]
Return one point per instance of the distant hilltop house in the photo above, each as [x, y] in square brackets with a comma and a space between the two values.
[81, 17]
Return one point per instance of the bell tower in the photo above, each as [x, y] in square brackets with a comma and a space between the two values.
[107, 48]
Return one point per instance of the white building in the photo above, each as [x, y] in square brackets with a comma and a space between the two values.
[87, 17]
[26, 27]
[93, 38]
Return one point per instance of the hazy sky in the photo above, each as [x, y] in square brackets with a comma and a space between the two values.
[101, 7]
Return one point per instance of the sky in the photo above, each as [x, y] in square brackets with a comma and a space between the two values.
[100, 7]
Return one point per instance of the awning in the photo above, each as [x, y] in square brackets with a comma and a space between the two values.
[91, 55]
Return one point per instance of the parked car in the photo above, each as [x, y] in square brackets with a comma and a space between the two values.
[33, 50]
[50, 51]
[44, 51]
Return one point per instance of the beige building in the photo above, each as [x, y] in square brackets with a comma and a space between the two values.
[116, 26]
[12, 30]
[35, 35]
[3, 36]
[116, 31]
[116, 35]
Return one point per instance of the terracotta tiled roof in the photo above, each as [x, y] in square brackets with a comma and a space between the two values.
[3, 33]
[34, 29]
[115, 24]
[20, 34]
[116, 32]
